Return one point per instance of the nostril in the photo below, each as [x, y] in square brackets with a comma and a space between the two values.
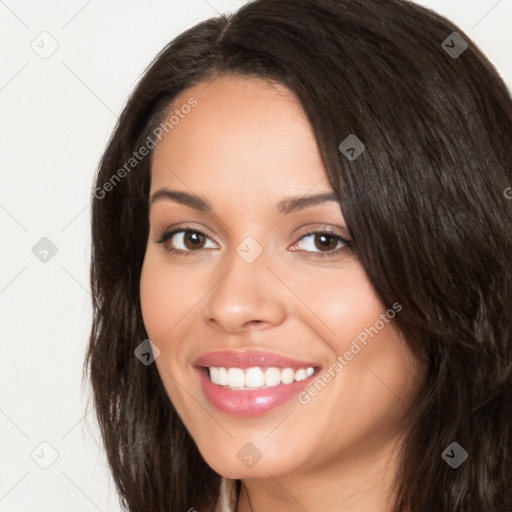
[254, 322]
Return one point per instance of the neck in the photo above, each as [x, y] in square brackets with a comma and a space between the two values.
[360, 482]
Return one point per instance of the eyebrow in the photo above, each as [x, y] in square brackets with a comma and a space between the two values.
[285, 206]
[191, 200]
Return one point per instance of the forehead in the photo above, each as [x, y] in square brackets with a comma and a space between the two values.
[243, 133]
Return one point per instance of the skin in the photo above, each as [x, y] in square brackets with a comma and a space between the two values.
[246, 146]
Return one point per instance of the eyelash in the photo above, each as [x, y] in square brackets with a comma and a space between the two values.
[164, 236]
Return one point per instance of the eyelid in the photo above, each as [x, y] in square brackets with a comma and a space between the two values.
[318, 228]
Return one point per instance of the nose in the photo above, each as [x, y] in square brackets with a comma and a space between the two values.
[246, 297]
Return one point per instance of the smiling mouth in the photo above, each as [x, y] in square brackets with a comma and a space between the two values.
[248, 379]
[252, 382]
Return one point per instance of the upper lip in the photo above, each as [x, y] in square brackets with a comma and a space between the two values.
[249, 359]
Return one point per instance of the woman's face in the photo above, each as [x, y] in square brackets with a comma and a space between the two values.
[245, 284]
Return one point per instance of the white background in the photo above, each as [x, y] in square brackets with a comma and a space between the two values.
[56, 117]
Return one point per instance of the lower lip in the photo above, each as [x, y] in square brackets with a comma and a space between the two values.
[249, 403]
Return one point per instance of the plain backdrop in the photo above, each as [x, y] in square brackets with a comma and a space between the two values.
[57, 111]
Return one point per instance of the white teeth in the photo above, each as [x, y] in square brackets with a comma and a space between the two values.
[254, 378]
[287, 376]
[300, 374]
[236, 378]
[214, 374]
[223, 377]
[272, 377]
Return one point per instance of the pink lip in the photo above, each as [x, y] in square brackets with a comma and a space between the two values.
[253, 402]
[249, 359]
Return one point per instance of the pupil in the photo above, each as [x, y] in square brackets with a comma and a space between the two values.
[193, 240]
[326, 241]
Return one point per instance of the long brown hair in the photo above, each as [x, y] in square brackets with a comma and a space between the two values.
[425, 204]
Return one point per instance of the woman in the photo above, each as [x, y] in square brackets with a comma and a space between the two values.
[304, 208]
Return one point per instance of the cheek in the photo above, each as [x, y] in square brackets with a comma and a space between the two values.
[166, 299]
[155, 295]
[165, 296]
[345, 303]
[353, 322]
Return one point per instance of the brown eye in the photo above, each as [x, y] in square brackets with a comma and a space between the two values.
[194, 240]
[326, 242]
[322, 243]
[186, 241]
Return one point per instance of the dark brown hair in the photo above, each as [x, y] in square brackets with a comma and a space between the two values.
[425, 206]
